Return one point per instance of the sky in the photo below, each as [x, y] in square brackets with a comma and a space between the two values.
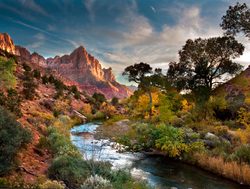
[118, 33]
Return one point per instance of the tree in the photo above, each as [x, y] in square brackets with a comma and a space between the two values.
[99, 98]
[115, 101]
[236, 20]
[204, 62]
[138, 73]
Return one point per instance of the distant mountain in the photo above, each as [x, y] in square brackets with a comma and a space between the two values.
[87, 71]
[79, 68]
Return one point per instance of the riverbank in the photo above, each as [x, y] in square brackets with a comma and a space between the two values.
[120, 130]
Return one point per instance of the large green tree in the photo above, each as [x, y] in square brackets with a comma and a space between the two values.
[236, 20]
[204, 63]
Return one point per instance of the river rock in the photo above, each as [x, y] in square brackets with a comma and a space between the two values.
[173, 188]
[211, 136]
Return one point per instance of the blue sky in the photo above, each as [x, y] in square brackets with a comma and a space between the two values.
[117, 32]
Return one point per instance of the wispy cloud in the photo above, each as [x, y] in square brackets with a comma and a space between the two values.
[71, 42]
[153, 9]
[32, 5]
[39, 40]
[89, 4]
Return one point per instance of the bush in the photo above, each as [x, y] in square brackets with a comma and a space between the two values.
[52, 185]
[43, 142]
[99, 115]
[7, 69]
[71, 170]
[29, 85]
[45, 79]
[11, 102]
[115, 101]
[37, 74]
[26, 67]
[96, 182]
[61, 145]
[12, 138]
[242, 154]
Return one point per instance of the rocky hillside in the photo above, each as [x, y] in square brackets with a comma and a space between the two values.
[79, 68]
[236, 88]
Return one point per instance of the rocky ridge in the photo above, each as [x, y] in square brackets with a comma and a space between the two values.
[79, 67]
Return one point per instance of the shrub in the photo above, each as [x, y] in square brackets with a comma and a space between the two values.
[45, 79]
[7, 69]
[61, 145]
[29, 86]
[242, 154]
[96, 182]
[43, 142]
[11, 102]
[99, 115]
[26, 67]
[115, 101]
[37, 74]
[51, 185]
[71, 170]
[12, 138]
[172, 141]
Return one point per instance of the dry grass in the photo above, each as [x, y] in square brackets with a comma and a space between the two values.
[231, 170]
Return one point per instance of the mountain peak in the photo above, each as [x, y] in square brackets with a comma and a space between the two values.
[6, 43]
[79, 49]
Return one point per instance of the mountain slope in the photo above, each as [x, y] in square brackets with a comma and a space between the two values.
[238, 86]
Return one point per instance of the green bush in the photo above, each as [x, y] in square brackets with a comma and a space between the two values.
[45, 79]
[61, 145]
[37, 74]
[99, 115]
[12, 137]
[242, 154]
[43, 142]
[71, 170]
[13, 102]
[7, 70]
[29, 85]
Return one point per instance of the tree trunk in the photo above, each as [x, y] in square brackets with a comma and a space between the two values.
[150, 104]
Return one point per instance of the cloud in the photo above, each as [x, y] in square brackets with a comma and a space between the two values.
[32, 5]
[141, 42]
[153, 9]
[89, 4]
[38, 41]
[71, 42]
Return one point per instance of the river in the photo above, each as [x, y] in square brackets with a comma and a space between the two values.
[158, 171]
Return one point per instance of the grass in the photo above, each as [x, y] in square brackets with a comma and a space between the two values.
[239, 172]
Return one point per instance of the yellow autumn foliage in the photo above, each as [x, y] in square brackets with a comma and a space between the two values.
[244, 119]
[86, 109]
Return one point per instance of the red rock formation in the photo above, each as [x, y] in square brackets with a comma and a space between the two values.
[23, 52]
[79, 68]
[38, 59]
[6, 43]
[83, 68]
